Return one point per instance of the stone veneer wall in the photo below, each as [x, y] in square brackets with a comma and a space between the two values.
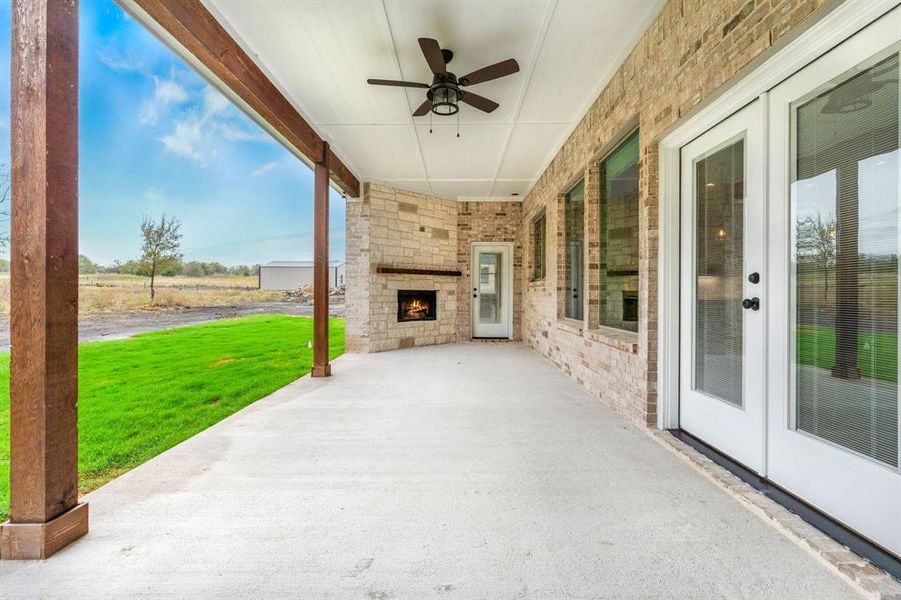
[391, 227]
[488, 222]
[687, 54]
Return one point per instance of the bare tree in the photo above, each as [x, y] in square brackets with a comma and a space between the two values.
[4, 205]
[816, 238]
[160, 247]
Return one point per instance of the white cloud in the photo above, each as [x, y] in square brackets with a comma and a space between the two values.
[213, 101]
[232, 133]
[167, 92]
[265, 168]
[120, 63]
[185, 140]
[200, 117]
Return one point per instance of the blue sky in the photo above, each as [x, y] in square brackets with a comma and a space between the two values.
[156, 138]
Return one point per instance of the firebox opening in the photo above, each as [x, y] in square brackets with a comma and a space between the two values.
[416, 305]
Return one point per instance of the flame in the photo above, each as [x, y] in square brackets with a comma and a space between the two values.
[416, 309]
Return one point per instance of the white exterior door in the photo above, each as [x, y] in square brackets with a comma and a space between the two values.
[835, 241]
[492, 290]
[722, 303]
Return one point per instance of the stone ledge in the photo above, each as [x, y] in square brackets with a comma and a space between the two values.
[571, 326]
[627, 341]
[855, 570]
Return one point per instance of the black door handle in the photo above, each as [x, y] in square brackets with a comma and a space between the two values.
[751, 303]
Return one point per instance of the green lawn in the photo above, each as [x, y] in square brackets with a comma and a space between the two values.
[143, 395]
[877, 353]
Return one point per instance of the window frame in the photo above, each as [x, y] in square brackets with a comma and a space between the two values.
[540, 217]
[619, 143]
[563, 263]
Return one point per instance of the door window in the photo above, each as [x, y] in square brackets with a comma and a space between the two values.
[719, 262]
[845, 201]
[490, 288]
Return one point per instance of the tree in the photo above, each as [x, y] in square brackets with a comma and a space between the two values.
[816, 239]
[160, 247]
[4, 204]
[86, 265]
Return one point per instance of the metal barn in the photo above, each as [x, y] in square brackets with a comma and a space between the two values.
[284, 275]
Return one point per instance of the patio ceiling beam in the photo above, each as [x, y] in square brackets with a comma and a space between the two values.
[44, 511]
[196, 30]
[321, 366]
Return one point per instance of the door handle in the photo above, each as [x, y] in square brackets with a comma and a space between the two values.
[751, 303]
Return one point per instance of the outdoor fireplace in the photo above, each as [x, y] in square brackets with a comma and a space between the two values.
[416, 305]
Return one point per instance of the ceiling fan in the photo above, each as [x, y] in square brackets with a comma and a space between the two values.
[445, 92]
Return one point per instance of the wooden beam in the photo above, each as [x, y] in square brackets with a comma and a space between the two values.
[193, 27]
[321, 366]
[45, 514]
[406, 271]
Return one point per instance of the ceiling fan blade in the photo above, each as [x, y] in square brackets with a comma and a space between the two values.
[409, 84]
[501, 69]
[480, 102]
[423, 109]
[432, 52]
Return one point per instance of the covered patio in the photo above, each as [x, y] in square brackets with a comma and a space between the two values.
[482, 473]
[523, 301]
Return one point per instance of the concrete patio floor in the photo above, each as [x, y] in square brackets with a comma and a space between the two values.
[464, 471]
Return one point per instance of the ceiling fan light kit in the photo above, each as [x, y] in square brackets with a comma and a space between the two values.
[444, 95]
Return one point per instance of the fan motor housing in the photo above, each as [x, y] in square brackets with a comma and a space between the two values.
[445, 94]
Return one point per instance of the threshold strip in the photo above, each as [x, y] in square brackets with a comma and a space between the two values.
[878, 556]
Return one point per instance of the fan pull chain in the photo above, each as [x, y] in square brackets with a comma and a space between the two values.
[458, 122]
[430, 121]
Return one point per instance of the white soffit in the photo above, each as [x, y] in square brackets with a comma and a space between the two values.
[320, 54]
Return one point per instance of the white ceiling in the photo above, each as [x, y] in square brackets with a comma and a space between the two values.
[320, 54]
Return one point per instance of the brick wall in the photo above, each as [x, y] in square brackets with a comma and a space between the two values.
[395, 228]
[688, 53]
[488, 222]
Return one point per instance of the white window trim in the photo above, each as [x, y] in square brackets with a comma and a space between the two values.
[833, 28]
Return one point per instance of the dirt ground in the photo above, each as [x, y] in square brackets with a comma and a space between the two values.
[93, 328]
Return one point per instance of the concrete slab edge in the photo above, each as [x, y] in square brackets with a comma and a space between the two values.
[855, 570]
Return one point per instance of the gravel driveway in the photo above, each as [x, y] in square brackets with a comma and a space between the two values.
[113, 327]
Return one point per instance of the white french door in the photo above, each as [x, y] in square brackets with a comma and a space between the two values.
[722, 272]
[492, 290]
[835, 241]
[790, 283]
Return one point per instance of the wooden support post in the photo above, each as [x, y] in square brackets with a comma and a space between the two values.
[45, 514]
[321, 366]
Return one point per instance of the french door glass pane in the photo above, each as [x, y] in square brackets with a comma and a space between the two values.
[719, 246]
[845, 201]
[575, 226]
[490, 266]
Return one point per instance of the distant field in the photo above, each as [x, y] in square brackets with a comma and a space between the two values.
[142, 395]
[113, 293]
[877, 353]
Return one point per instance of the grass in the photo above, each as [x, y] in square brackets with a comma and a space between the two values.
[143, 395]
[110, 293]
[877, 353]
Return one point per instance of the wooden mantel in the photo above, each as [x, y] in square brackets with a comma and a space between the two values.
[407, 271]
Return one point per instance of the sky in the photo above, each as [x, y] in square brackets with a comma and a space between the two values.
[878, 195]
[155, 138]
